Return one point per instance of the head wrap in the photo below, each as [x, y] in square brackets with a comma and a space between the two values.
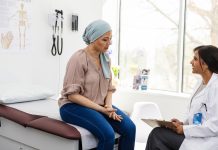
[94, 31]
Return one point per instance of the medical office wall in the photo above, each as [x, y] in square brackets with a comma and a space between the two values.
[26, 39]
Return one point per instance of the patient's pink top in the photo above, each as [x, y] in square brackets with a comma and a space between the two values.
[83, 77]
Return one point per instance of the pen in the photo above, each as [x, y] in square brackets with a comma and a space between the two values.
[205, 106]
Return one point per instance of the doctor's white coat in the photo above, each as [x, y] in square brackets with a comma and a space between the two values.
[204, 136]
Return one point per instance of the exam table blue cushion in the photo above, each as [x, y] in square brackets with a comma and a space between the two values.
[42, 123]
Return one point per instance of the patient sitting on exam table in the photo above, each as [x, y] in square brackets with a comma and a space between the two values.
[200, 129]
[86, 98]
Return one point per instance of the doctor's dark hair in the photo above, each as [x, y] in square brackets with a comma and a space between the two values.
[209, 54]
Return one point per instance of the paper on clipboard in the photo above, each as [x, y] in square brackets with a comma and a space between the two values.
[158, 123]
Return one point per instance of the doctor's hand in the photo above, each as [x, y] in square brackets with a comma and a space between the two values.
[178, 127]
[177, 121]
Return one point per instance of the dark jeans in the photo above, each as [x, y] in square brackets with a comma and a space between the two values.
[164, 139]
[101, 126]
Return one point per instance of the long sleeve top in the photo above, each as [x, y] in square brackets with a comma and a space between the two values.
[83, 77]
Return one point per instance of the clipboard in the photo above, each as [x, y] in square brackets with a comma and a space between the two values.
[158, 123]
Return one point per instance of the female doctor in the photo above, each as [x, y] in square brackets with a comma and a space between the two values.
[199, 131]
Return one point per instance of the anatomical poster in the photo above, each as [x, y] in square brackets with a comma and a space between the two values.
[15, 25]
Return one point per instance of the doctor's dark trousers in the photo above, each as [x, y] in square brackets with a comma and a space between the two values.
[101, 126]
[164, 139]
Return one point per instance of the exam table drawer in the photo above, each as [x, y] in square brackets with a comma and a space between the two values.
[8, 144]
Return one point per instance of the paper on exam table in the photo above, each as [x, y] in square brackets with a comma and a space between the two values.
[157, 123]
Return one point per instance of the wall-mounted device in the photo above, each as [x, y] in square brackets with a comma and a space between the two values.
[75, 23]
[56, 22]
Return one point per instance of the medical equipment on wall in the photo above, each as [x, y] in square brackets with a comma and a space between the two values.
[56, 22]
[75, 20]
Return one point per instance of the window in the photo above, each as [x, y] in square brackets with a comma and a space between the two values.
[201, 28]
[148, 39]
[111, 14]
[160, 36]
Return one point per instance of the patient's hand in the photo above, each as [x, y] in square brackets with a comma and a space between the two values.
[108, 110]
[115, 116]
[111, 112]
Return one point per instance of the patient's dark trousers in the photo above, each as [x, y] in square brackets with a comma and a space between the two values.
[164, 139]
[101, 126]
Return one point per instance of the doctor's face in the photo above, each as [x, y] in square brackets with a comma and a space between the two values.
[196, 63]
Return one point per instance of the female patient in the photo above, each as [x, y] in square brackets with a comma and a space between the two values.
[86, 98]
[200, 130]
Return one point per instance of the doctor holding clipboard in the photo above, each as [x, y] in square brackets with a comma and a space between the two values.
[199, 131]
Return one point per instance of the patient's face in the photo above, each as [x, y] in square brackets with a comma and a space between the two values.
[102, 44]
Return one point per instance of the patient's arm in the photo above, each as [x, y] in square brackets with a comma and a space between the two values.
[108, 99]
[108, 104]
[81, 100]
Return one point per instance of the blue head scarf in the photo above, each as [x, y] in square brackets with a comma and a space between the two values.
[94, 31]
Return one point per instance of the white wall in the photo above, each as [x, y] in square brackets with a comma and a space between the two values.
[37, 65]
[172, 105]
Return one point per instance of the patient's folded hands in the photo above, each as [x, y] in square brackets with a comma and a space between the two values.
[115, 116]
[111, 112]
[108, 110]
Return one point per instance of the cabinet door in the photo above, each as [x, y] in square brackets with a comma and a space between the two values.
[8, 144]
